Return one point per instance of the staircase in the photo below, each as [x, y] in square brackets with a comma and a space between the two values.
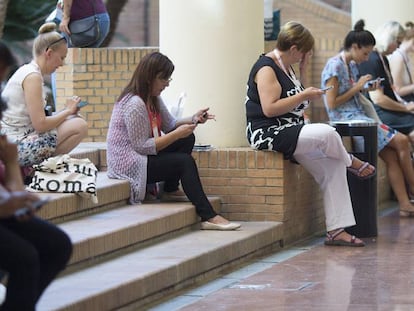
[126, 257]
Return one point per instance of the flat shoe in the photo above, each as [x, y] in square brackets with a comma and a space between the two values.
[331, 241]
[406, 213]
[206, 225]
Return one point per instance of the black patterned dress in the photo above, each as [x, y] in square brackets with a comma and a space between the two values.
[278, 133]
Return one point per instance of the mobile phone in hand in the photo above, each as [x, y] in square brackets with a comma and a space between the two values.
[327, 88]
[371, 83]
[204, 115]
[82, 104]
[37, 205]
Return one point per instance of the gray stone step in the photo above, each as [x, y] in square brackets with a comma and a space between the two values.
[141, 276]
[127, 256]
[123, 227]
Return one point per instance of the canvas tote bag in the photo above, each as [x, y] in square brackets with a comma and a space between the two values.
[67, 175]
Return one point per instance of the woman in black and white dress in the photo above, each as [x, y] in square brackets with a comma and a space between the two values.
[275, 106]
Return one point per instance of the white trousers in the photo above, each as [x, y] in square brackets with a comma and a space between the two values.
[321, 152]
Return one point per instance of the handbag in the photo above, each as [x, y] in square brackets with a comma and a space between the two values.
[408, 98]
[86, 31]
[67, 175]
[369, 108]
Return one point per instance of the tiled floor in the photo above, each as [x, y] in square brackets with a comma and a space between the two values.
[314, 277]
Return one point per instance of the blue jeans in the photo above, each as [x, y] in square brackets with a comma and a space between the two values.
[104, 23]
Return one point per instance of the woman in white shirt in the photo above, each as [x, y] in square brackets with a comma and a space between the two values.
[37, 135]
[401, 67]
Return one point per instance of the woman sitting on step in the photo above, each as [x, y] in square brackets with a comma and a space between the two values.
[146, 144]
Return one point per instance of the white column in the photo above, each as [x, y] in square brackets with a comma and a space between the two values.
[377, 12]
[213, 44]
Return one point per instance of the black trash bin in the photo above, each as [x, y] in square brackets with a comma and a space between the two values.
[363, 144]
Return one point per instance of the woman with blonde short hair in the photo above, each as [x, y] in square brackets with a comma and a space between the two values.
[275, 104]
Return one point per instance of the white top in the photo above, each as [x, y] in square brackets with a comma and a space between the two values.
[16, 121]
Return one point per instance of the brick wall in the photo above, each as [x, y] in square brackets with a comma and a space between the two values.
[98, 76]
[328, 25]
[261, 186]
[253, 185]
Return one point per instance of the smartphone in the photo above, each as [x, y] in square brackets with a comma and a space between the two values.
[37, 205]
[371, 83]
[327, 88]
[82, 104]
[204, 115]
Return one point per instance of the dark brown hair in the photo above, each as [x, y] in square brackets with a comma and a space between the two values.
[152, 66]
[359, 36]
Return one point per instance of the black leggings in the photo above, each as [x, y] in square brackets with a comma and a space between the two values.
[176, 163]
[33, 252]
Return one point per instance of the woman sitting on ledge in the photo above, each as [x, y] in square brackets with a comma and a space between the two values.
[275, 106]
[139, 152]
[37, 135]
[344, 103]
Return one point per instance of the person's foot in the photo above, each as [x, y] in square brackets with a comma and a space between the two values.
[219, 223]
[340, 237]
[407, 210]
[218, 220]
[360, 168]
[407, 207]
[406, 214]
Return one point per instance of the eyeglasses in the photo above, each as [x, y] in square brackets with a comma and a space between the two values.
[166, 80]
[399, 40]
[56, 41]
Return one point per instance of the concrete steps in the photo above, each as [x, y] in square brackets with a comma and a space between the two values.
[128, 256]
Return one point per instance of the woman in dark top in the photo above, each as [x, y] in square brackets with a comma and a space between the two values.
[391, 108]
[275, 106]
[74, 10]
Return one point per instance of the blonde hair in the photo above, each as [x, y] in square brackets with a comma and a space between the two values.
[388, 33]
[294, 33]
[47, 37]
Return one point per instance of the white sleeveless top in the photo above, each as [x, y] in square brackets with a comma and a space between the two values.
[16, 123]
